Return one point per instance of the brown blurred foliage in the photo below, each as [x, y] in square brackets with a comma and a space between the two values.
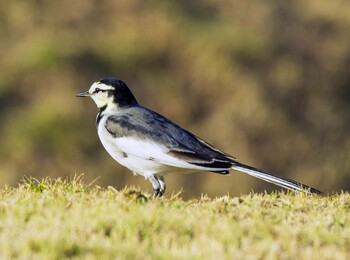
[266, 81]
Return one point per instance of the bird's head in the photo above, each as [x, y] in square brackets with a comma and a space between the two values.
[110, 92]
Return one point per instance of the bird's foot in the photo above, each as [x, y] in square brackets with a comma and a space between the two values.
[158, 185]
[158, 192]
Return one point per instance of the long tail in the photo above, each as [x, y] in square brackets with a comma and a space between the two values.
[277, 180]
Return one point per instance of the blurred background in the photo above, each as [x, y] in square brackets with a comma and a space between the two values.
[266, 81]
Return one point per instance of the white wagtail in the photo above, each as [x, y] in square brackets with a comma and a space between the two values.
[151, 145]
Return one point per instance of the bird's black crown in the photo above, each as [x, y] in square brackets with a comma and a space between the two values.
[121, 93]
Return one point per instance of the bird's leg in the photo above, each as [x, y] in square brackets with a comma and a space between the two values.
[155, 184]
[158, 185]
[161, 181]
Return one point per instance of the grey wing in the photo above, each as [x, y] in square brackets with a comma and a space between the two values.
[143, 123]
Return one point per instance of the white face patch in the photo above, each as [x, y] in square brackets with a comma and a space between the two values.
[99, 93]
[98, 85]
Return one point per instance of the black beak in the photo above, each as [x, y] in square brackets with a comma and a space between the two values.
[83, 94]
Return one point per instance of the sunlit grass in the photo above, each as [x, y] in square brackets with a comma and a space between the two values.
[67, 218]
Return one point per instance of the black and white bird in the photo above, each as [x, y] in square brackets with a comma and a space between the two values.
[151, 145]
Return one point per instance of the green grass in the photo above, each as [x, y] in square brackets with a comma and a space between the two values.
[55, 219]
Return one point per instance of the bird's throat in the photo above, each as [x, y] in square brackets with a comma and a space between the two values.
[99, 114]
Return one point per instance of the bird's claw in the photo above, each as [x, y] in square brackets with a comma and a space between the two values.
[158, 193]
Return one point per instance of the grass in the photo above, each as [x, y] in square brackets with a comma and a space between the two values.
[55, 219]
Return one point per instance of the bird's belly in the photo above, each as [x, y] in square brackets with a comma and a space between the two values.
[141, 166]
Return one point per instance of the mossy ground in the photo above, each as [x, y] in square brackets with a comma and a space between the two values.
[55, 219]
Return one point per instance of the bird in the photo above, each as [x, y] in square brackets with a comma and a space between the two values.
[151, 145]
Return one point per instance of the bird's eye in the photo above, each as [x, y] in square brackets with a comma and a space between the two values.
[97, 90]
